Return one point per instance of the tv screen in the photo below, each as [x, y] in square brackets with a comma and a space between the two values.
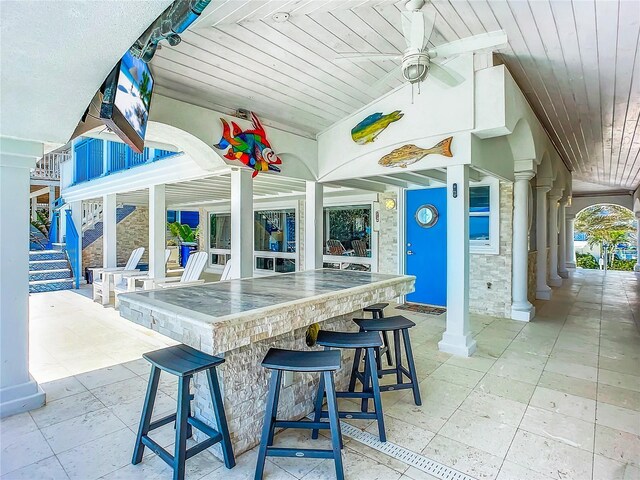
[126, 100]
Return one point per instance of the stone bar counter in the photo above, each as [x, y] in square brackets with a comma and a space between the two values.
[241, 319]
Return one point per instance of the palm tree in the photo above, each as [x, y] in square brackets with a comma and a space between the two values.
[606, 226]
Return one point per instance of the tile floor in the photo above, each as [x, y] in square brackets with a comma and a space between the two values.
[557, 398]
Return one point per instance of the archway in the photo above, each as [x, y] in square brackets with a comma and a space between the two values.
[606, 237]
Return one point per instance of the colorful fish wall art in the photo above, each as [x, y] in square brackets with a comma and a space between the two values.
[250, 147]
[409, 154]
[372, 126]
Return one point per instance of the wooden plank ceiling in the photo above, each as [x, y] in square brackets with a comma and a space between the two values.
[576, 61]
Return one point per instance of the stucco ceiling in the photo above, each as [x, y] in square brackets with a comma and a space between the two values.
[55, 56]
[575, 61]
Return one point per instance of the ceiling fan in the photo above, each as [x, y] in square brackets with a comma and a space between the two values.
[418, 60]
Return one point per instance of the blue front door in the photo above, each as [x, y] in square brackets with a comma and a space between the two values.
[426, 244]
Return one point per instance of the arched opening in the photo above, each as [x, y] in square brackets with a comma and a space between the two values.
[606, 237]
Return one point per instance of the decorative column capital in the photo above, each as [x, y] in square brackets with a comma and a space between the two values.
[555, 195]
[524, 175]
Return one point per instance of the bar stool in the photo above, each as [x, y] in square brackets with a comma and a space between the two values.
[370, 387]
[182, 361]
[397, 324]
[377, 311]
[324, 362]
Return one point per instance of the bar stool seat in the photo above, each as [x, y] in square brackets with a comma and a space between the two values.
[184, 362]
[279, 360]
[301, 361]
[387, 324]
[369, 342]
[376, 308]
[399, 325]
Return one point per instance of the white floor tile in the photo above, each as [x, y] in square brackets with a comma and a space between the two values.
[618, 445]
[21, 450]
[618, 418]
[564, 403]
[47, 469]
[569, 430]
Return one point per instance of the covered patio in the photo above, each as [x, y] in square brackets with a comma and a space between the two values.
[556, 397]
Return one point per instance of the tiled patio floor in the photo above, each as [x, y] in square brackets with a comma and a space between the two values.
[558, 398]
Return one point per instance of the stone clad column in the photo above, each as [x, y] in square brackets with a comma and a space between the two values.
[554, 197]
[241, 223]
[457, 338]
[543, 292]
[313, 224]
[521, 309]
[562, 247]
[570, 220]
[109, 221]
[18, 390]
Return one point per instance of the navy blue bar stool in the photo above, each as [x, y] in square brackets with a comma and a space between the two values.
[399, 325]
[377, 311]
[183, 361]
[368, 341]
[324, 362]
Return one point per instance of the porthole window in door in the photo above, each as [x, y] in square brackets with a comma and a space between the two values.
[426, 216]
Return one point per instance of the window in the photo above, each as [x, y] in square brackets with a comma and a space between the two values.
[479, 214]
[348, 230]
[275, 231]
[219, 238]
[484, 221]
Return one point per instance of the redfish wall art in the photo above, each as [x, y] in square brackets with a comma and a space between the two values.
[250, 147]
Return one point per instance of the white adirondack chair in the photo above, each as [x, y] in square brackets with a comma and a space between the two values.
[191, 275]
[226, 272]
[103, 277]
[122, 283]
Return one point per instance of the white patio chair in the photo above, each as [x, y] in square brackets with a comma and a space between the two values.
[122, 283]
[226, 272]
[191, 275]
[103, 277]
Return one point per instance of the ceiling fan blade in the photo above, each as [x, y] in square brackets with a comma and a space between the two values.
[406, 27]
[475, 43]
[416, 38]
[429, 23]
[365, 57]
[383, 82]
[445, 75]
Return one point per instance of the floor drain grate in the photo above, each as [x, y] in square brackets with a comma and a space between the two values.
[416, 460]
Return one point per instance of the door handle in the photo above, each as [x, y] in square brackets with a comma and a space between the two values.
[409, 252]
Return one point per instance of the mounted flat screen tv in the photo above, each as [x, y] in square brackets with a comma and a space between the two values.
[126, 100]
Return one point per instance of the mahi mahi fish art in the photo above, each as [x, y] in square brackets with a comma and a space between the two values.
[409, 154]
[251, 147]
[372, 126]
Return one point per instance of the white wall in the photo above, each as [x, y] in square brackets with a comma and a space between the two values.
[437, 112]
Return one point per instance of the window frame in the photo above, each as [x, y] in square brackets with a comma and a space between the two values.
[492, 246]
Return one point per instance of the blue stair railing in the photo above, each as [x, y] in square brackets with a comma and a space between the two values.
[53, 229]
[73, 248]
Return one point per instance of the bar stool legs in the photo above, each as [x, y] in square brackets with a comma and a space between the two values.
[147, 411]
[221, 418]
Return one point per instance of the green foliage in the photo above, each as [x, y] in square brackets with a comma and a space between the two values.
[586, 260]
[606, 226]
[145, 91]
[184, 232]
[626, 265]
[42, 222]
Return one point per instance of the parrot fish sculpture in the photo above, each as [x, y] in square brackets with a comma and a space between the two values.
[251, 147]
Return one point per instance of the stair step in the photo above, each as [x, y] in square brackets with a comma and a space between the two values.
[54, 274]
[47, 255]
[48, 264]
[37, 286]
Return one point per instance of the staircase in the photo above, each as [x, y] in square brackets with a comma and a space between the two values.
[49, 270]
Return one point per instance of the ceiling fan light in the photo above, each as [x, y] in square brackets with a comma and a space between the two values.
[414, 73]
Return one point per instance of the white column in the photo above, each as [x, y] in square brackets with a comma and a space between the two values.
[562, 247]
[457, 338]
[109, 249]
[554, 197]
[52, 198]
[570, 220]
[543, 292]
[521, 309]
[313, 234]
[18, 390]
[157, 230]
[241, 223]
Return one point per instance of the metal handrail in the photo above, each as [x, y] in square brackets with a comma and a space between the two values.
[73, 248]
